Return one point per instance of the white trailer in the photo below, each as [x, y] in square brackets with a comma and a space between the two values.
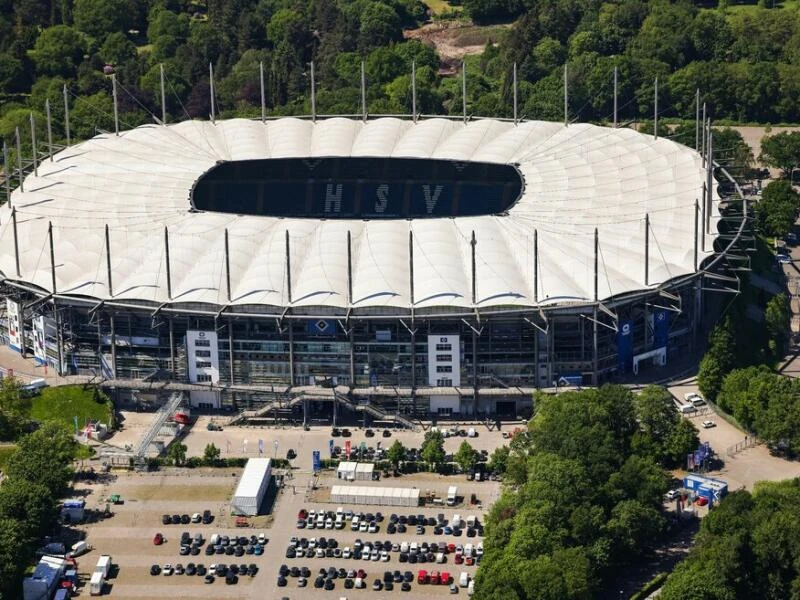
[252, 487]
[96, 583]
[103, 565]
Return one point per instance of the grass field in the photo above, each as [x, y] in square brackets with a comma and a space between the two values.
[441, 6]
[63, 404]
[5, 451]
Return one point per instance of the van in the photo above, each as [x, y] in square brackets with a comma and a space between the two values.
[456, 520]
[33, 387]
[685, 409]
[463, 579]
[468, 548]
[471, 432]
[471, 520]
[694, 399]
[354, 523]
[214, 541]
[440, 557]
[79, 548]
[404, 547]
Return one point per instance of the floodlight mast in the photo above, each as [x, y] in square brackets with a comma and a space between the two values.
[19, 160]
[313, 94]
[66, 114]
[211, 92]
[33, 145]
[515, 94]
[616, 75]
[566, 98]
[655, 110]
[263, 98]
[414, 91]
[49, 130]
[116, 108]
[163, 98]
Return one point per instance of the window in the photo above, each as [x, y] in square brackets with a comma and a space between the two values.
[444, 347]
[202, 353]
[202, 343]
[444, 368]
[203, 378]
[444, 383]
[203, 364]
[444, 358]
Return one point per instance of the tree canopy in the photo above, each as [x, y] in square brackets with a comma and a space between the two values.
[748, 547]
[579, 500]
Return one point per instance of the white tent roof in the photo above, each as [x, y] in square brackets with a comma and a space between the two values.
[576, 179]
[252, 477]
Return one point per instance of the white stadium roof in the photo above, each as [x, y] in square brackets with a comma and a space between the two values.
[576, 179]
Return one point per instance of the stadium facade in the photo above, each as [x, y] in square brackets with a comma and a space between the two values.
[434, 265]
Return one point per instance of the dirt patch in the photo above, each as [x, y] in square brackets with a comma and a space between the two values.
[453, 40]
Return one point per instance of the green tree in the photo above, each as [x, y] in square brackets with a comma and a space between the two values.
[498, 460]
[30, 503]
[14, 556]
[99, 18]
[396, 453]
[211, 454]
[379, 25]
[15, 408]
[177, 453]
[718, 360]
[466, 456]
[59, 50]
[777, 209]
[44, 457]
[90, 113]
[781, 151]
[432, 449]
[777, 319]
[118, 49]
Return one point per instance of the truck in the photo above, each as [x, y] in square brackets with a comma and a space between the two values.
[452, 492]
[103, 565]
[96, 583]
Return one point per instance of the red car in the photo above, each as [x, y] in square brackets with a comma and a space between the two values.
[459, 559]
[701, 501]
[303, 514]
[422, 576]
[158, 539]
[434, 578]
[445, 578]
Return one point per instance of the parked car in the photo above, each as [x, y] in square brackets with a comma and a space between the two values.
[158, 539]
[709, 424]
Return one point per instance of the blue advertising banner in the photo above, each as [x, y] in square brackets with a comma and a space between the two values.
[330, 447]
[660, 328]
[316, 462]
[322, 327]
[625, 346]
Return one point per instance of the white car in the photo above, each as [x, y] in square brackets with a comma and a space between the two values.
[709, 424]
[328, 523]
[672, 494]
[346, 552]
[375, 556]
[384, 556]
[320, 553]
[167, 569]
[479, 549]
[372, 527]
[363, 527]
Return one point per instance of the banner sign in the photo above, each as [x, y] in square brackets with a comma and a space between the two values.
[325, 327]
[660, 328]
[347, 448]
[39, 350]
[625, 346]
[330, 447]
[316, 461]
[14, 325]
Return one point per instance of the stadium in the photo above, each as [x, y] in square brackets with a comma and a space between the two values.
[413, 266]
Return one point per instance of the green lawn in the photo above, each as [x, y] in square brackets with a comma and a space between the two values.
[5, 451]
[64, 403]
[441, 6]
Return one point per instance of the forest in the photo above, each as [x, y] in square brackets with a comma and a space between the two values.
[745, 59]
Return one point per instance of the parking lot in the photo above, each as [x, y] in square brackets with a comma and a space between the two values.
[128, 535]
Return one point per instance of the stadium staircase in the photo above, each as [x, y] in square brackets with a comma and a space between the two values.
[161, 417]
